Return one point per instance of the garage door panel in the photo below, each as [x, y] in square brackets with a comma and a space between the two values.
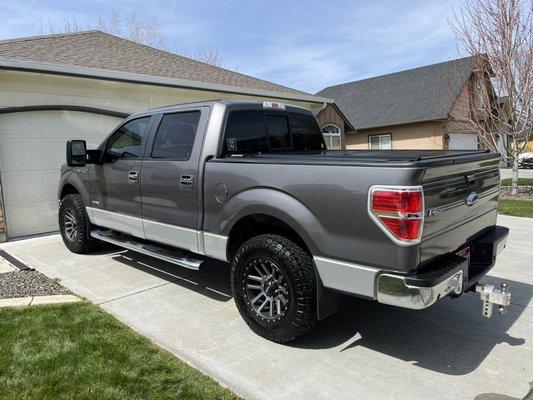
[463, 141]
[50, 215]
[32, 149]
[52, 153]
[26, 219]
[19, 153]
[71, 124]
[25, 187]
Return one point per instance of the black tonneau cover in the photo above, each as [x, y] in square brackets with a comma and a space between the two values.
[419, 158]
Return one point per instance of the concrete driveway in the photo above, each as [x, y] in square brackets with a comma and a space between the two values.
[366, 351]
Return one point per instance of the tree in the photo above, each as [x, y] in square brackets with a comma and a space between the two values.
[206, 53]
[499, 33]
[132, 27]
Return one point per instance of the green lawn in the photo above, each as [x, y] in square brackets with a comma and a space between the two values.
[521, 182]
[518, 208]
[77, 351]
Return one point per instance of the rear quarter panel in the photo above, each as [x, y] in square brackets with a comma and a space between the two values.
[326, 205]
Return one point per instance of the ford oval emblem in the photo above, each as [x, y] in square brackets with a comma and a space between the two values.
[471, 199]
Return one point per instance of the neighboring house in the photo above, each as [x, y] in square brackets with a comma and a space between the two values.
[419, 108]
[81, 85]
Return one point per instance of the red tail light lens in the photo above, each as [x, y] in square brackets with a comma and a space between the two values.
[405, 229]
[398, 212]
[388, 201]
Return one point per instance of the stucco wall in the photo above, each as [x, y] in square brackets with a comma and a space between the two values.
[26, 88]
[421, 136]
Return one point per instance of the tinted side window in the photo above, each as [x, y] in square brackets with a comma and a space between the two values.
[278, 132]
[306, 135]
[126, 142]
[245, 132]
[175, 135]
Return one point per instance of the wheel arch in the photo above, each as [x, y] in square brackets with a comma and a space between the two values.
[255, 224]
[266, 210]
[68, 188]
[71, 183]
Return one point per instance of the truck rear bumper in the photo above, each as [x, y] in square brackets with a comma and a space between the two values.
[450, 274]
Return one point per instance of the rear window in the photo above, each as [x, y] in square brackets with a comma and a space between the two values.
[255, 131]
[175, 135]
[306, 135]
[279, 136]
[245, 132]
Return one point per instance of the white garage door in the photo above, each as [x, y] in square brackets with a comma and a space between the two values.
[463, 141]
[32, 149]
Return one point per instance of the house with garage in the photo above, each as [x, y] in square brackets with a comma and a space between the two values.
[81, 85]
[421, 108]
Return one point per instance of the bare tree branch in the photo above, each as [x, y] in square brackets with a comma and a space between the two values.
[206, 53]
[499, 33]
[133, 27]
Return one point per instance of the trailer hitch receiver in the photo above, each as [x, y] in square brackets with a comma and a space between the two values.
[490, 296]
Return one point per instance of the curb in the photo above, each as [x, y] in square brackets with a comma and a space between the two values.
[38, 300]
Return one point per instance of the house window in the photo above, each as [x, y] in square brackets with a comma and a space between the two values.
[380, 142]
[332, 136]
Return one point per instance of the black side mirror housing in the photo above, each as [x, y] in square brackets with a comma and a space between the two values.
[76, 153]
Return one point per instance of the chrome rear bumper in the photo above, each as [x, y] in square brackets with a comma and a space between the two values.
[393, 290]
[453, 274]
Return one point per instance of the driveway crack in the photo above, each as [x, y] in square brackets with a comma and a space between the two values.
[132, 293]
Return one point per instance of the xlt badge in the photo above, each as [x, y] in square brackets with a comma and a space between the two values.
[435, 211]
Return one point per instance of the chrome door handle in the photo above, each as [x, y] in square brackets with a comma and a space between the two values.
[186, 181]
[133, 177]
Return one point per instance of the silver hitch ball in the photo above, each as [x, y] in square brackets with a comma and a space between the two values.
[502, 310]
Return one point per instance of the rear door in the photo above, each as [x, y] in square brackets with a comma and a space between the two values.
[116, 199]
[170, 184]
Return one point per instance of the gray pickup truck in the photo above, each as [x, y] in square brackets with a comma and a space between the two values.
[252, 184]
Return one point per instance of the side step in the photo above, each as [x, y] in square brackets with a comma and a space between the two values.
[171, 255]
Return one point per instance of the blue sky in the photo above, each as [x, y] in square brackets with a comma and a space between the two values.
[307, 45]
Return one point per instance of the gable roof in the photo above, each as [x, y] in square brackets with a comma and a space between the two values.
[420, 94]
[102, 51]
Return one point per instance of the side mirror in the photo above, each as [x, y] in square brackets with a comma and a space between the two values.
[76, 153]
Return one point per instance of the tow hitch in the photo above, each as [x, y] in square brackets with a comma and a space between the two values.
[491, 296]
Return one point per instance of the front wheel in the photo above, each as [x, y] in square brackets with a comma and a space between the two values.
[73, 224]
[274, 286]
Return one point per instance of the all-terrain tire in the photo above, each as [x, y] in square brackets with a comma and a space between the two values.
[296, 266]
[74, 224]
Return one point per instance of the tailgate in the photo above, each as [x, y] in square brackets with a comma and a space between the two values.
[461, 200]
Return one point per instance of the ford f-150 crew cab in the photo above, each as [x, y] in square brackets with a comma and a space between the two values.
[253, 184]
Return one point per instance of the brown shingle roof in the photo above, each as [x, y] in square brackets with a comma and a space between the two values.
[95, 49]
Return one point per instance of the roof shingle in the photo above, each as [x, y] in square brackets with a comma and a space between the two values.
[95, 49]
[420, 94]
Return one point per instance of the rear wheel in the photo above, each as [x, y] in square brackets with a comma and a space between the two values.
[74, 224]
[274, 286]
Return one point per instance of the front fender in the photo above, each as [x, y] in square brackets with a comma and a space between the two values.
[72, 178]
[274, 203]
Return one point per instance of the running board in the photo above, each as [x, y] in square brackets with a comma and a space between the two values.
[171, 255]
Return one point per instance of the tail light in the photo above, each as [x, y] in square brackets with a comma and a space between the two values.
[398, 211]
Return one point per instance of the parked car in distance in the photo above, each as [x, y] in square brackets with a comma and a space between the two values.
[252, 184]
[525, 160]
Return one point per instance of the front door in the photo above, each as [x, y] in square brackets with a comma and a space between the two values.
[170, 183]
[116, 204]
